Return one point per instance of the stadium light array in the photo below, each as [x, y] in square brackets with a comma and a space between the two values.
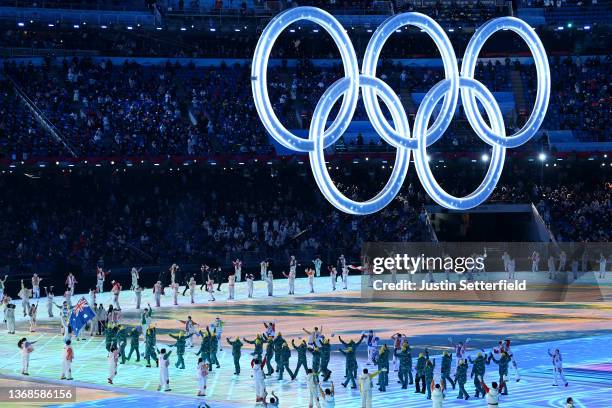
[104, 27]
[542, 157]
[76, 26]
[587, 27]
[183, 29]
[129, 27]
[213, 29]
[51, 25]
[20, 24]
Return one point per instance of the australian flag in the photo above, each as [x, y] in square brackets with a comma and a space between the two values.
[81, 314]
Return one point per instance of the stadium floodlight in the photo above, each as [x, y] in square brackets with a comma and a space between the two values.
[484, 158]
[129, 27]
[158, 28]
[213, 29]
[20, 24]
[183, 29]
[104, 27]
[76, 26]
[542, 157]
[51, 25]
[457, 83]
[587, 27]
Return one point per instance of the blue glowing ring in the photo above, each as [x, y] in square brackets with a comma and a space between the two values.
[498, 155]
[259, 75]
[451, 71]
[398, 135]
[317, 157]
[468, 67]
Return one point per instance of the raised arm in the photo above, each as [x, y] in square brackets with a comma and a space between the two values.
[484, 387]
[360, 340]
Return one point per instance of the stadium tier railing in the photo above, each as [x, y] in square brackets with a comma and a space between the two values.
[42, 118]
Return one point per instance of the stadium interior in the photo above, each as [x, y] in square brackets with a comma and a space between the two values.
[129, 136]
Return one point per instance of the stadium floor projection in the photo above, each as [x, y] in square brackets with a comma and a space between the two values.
[578, 329]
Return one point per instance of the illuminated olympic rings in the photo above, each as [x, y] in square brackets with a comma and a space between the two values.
[448, 90]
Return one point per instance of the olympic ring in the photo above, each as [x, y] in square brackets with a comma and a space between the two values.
[449, 89]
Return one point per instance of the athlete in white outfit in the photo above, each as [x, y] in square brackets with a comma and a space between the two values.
[311, 275]
[506, 347]
[113, 359]
[71, 283]
[237, 269]
[333, 273]
[345, 275]
[290, 281]
[313, 389]
[202, 377]
[270, 281]
[231, 284]
[35, 286]
[328, 396]
[437, 394]
[250, 281]
[491, 394]
[557, 361]
[26, 350]
[535, 261]
[602, 266]
[164, 376]
[258, 376]
[317, 264]
[365, 387]
[134, 273]
[511, 269]
[67, 358]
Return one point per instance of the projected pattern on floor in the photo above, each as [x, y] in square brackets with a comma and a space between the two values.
[429, 322]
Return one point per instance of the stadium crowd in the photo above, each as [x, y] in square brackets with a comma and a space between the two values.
[144, 217]
[239, 40]
[105, 109]
[137, 217]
